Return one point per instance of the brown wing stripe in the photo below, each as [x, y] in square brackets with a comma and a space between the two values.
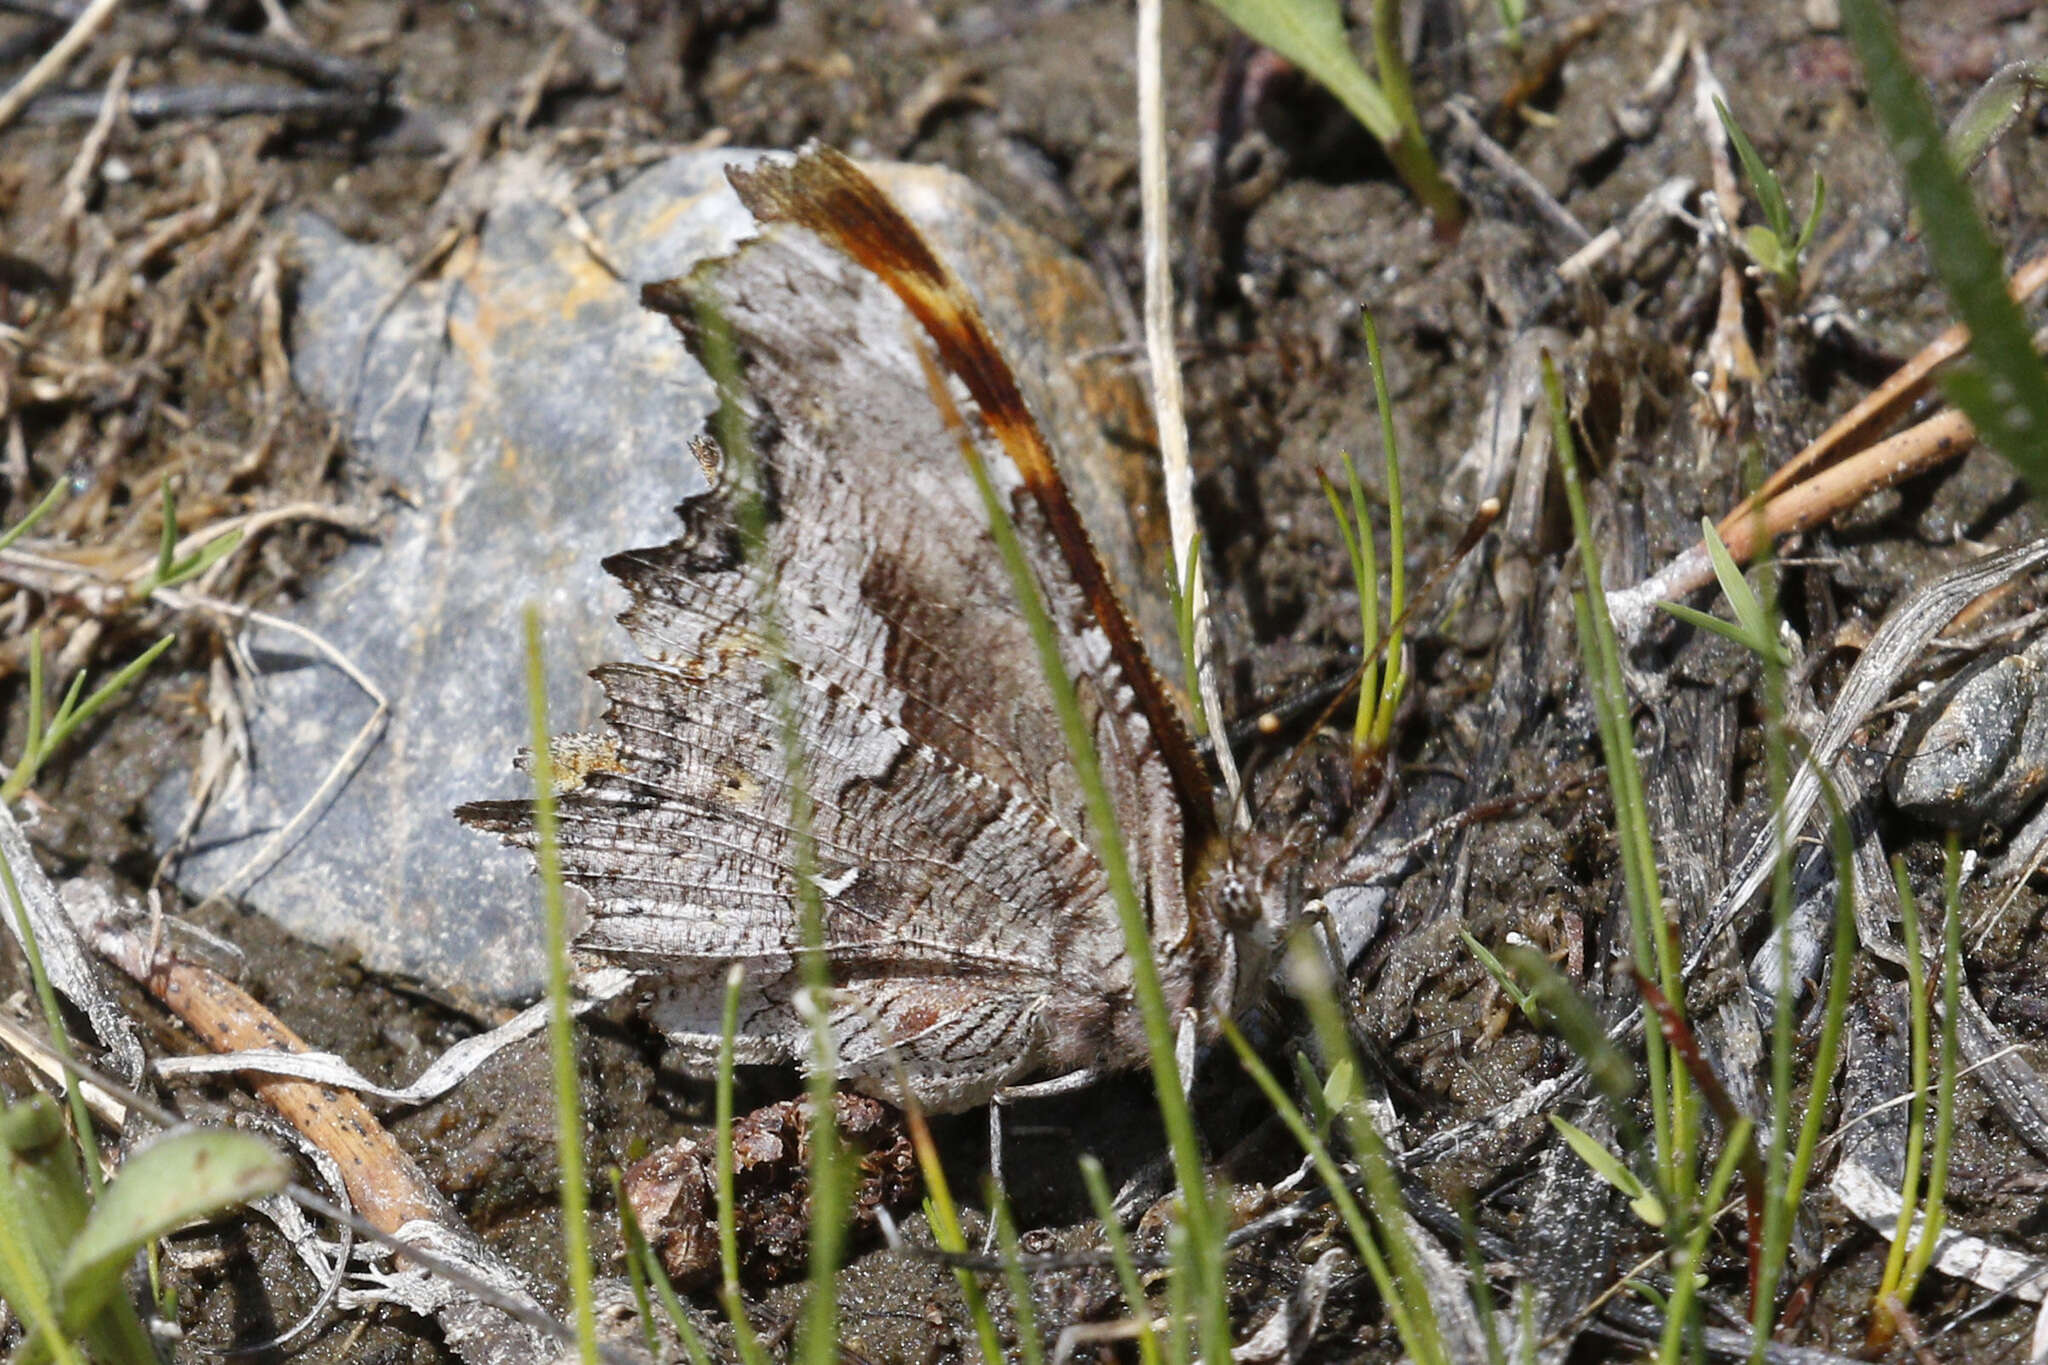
[827, 193]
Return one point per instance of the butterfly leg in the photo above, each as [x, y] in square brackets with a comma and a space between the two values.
[1010, 1094]
[1156, 1176]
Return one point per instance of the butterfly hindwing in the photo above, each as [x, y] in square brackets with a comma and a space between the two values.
[966, 916]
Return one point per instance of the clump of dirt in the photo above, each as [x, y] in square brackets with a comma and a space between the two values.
[144, 308]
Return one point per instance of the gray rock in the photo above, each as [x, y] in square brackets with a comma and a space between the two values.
[537, 419]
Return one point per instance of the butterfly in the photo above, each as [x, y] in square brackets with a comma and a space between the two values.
[968, 927]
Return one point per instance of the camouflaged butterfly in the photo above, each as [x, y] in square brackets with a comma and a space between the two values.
[968, 924]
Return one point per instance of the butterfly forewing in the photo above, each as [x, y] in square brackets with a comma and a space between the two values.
[965, 913]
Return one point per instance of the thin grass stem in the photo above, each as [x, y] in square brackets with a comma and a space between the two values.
[1672, 1104]
[35, 514]
[1780, 1210]
[1368, 578]
[818, 1338]
[1308, 975]
[1030, 1350]
[745, 1341]
[574, 1194]
[1884, 1321]
[645, 1270]
[1687, 1276]
[944, 1217]
[60, 1036]
[1120, 1257]
[1205, 1239]
[1418, 1334]
[1395, 681]
[1945, 1075]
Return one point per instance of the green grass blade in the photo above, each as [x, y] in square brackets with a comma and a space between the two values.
[1503, 978]
[1699, 620]
[1365, 577]
[1182, 591]
[944, 1218]
[1750, 613]
[573, 1193]
[646, 1270]
[35, 514]
[42, 1204]
[1780, 1211]
[1770, 195]
[180, 1177]
[53, 1020]
[1812, 223]
[1368, 612]
[1688, 1275]
[2002, 389]
[1394, 681]
[1642, 1201]
[1120, 1256]
[1672, 1106]
[639, 1272]
[167, 539]
[1030, 1349]
[1567, 1012]
[1482, 1283]
[748, 1344]
[1308, 976]
[1363, 1238]
[1310, 33]
[1945, 1074]
[1205, 1237]
[1992, 112]
[817, 1341]
[1916, 1109]
[74, 713]
[193, 565]
[33, 746]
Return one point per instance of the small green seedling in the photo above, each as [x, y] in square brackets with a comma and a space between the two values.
[1310, 34]
[1775, 244]
[1325, 1098]
[1752, 628]
[171, 570]
[71, 713]
[35, 514]
[1512, 15]
[63, 1256]
[1380, 685]
[1180, 592]
[1642, 1201]
[1502, 978]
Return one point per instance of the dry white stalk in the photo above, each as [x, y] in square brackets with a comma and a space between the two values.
[62, 53]
[1168, 409]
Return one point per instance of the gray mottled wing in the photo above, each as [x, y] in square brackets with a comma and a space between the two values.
[962, 902]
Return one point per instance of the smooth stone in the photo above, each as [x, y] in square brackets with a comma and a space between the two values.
[536, 418]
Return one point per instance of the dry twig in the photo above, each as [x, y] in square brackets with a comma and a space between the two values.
[53, 63]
